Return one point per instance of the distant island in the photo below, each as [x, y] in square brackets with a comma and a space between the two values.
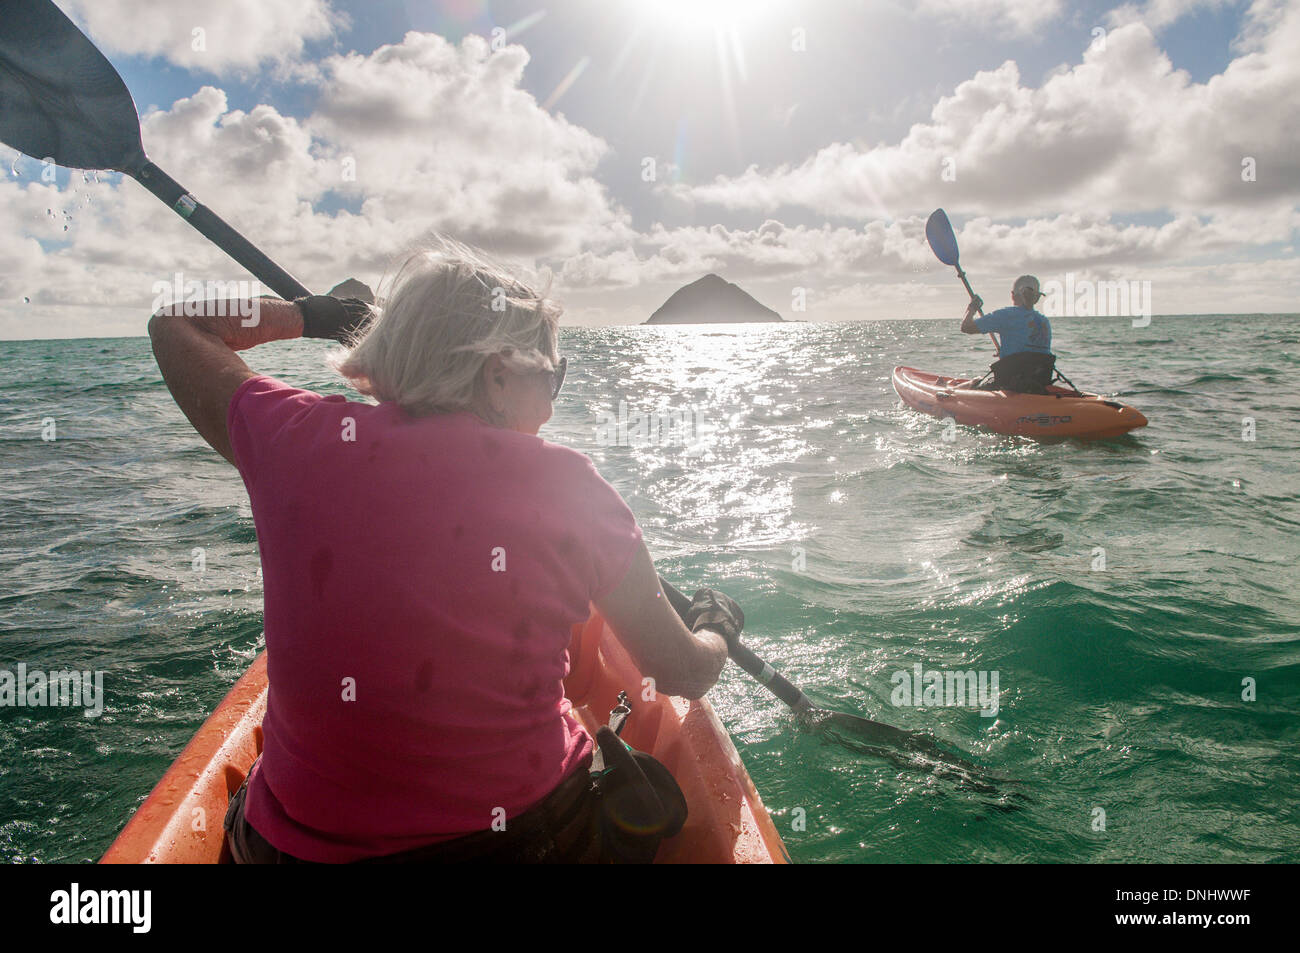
[351, 288]
[711, 300]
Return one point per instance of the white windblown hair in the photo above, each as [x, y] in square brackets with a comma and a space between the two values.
[447, 310]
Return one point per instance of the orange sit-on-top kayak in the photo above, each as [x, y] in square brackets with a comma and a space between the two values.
[1058, 413]
[181, 820]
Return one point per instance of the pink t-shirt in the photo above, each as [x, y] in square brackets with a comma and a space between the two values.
[421, 576]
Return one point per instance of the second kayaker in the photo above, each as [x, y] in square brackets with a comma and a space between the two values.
[424, 559]
[1025, 361]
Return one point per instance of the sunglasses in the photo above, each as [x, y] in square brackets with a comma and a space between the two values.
[557, 377]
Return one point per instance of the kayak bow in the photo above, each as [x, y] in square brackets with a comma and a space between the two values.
[181, 820]
[1058, 413]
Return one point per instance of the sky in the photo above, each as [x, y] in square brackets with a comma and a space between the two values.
[618, 149]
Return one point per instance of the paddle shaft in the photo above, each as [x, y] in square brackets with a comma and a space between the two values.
[212, 227]
[971, 291]
[766, 675]
[769, 678]
[943, 242]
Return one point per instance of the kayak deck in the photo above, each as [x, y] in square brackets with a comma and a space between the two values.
[182, 819]
[1058, 413]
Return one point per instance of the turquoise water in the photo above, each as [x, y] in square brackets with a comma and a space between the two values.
[858, 540]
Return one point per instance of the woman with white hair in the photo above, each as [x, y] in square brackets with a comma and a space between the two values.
[424, 558]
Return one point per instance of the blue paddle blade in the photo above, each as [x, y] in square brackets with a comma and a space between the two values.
[938, 232]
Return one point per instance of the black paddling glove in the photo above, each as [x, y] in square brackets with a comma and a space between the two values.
[717, 611]
[335, 319]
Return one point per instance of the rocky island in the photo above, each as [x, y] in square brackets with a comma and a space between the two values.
[711, 300]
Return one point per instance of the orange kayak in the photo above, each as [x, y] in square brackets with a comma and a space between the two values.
[181, 820]
[1058, 413]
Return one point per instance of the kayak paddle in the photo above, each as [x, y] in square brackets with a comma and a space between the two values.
[854, 731]
[938, 232]
[61, 99]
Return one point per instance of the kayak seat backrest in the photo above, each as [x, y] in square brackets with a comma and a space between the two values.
[1026, 372]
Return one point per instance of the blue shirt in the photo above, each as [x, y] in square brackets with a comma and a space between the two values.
[1018, 329]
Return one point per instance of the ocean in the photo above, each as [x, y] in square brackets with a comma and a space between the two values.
[1136, 598]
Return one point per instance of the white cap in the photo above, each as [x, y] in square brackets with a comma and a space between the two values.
[1027, 283]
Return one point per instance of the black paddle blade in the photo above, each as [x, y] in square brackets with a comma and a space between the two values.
[938, 232]
[59, 97]
[877, 733]
[907, 749]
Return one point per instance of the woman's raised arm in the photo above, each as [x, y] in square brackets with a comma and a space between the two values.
[196, 354]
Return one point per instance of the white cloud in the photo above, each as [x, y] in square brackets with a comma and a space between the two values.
[887, 269]
[261, 159]
[233, 35]
[1158, 14]
[882, 249]
[441, 131]
[436, 131]
[1263, 18]
[1121, 131]
[1020, 17]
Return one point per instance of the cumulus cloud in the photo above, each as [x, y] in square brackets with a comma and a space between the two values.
[1122, 130]
[417, 137]
[216, 36]
[446, 133]
[1020, 17]
[1158, 14]
[261, 158]
[886, 268]
[881, 249]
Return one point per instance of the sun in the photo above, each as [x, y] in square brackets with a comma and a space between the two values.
[705, 15]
